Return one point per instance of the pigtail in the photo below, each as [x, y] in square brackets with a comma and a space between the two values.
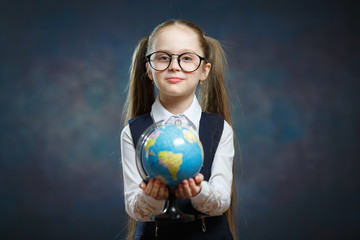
[140, 97]
[141, 90]
[213, 93]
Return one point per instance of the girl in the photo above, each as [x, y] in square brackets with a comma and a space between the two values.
[175, 58]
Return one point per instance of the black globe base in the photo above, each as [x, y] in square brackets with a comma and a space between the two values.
[172, 213]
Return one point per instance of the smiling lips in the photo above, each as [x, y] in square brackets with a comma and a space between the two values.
[174, 79]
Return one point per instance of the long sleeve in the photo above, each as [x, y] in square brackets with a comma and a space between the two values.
[137, 204]
[215, 195]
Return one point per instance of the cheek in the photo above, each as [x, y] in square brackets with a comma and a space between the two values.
[155, 75]
[198, 75]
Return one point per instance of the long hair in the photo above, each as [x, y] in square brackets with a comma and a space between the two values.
[141, 91]
[213, 94]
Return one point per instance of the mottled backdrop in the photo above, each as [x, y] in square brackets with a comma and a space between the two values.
[294, 67]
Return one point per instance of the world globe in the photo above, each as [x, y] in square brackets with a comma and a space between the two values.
[169, 153]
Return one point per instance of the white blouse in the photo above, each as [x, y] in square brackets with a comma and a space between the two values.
[214, 197]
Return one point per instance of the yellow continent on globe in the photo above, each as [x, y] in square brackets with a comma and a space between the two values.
[151, 141]
[190, 136]
[172, 161]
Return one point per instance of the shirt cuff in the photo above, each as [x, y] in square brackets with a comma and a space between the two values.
[157, 204]
[203, 194]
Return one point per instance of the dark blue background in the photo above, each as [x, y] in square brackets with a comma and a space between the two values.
[294, 68]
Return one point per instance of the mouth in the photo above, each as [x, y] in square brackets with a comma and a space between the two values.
[174, 79]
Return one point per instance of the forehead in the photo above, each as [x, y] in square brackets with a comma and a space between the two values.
[176, 39]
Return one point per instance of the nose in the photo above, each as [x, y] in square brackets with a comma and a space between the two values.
[174, 64]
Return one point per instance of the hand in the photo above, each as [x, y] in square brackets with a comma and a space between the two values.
[189, 188]
[156, 189]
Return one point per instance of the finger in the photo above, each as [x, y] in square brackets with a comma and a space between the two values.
[187, 190]
[199, 178]
[180, 190]
[160, 195]
[192, 182]
[142, 185]
[195, 189]
[192, 185]
[155, 189]
[149, 187]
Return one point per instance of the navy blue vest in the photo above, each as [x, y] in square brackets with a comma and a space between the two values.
[210, 131]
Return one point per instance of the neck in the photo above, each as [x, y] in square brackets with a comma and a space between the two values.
[176, 105]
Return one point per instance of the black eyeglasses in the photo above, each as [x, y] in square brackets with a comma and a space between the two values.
[188, 62]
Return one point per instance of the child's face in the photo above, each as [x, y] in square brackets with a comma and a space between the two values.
[173, 81]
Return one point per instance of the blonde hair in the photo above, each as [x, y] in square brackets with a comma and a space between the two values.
[212, 95]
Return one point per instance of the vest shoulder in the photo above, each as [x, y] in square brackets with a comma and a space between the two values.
[142, 117]
[212, 116]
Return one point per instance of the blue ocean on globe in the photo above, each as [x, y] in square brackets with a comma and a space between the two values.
[171, 154]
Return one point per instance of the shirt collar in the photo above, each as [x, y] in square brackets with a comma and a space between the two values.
[193, 113]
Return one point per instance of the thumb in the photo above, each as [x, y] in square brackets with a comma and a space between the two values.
[199, 178]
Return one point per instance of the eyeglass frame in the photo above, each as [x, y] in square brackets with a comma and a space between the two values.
[178, 58]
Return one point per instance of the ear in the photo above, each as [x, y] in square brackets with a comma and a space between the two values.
[205, 72]
[149, 72]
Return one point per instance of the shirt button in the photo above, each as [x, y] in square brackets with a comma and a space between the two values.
[178, 122]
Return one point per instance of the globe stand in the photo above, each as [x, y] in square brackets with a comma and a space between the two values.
[172, 213]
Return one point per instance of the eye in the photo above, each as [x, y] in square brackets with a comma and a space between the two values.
[162, 58]
[187, 58]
